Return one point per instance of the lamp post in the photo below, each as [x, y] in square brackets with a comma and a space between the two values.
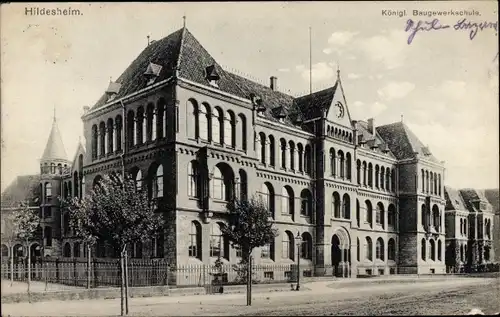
[298, 239]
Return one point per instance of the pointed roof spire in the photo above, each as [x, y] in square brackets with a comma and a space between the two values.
[184, 21]
[338, 71]
[54, 150]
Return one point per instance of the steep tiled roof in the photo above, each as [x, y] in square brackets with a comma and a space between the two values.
[54, 150]
[362, 129]
[493, 196]
[22, 188]
[454, 200]
[470, 195]
[402, 142]
[313, 105]
[181, 52]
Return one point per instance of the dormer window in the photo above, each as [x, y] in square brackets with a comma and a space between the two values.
[152, 72]
[280, 114]
[426, 151]
[113, 89]
[383, 147]
[212, 75]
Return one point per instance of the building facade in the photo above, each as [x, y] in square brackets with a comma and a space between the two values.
[470, 223]
[364, 199]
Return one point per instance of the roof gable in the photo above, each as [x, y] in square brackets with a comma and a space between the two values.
[454, 200]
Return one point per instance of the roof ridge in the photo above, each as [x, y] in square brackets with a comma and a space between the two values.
[257, 83]
[179, 57]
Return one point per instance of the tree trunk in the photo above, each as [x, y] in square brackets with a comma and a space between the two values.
[29, 268]
[249, 280]
[89, 268]
[126, 282]
[11, 265]
[122, 269]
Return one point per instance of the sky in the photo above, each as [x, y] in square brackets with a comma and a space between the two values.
[444, 85]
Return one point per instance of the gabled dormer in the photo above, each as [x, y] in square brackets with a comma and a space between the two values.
[152, 72]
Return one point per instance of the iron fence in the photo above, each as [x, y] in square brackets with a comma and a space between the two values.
[77, 273]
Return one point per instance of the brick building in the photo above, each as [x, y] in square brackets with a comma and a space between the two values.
[365, 199]
[470, 233]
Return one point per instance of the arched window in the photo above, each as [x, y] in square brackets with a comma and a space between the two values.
[358, 216]
[243, 131]
[94, 142]
[439, 250]
[423, 216]
[203, 119]
[292, 155]
[48, 192]
[393, 180]
[119, 131]
[160, 115]
[427, 181]
[342, 164]
[76, 250]
[333, 163]
[131, 129]
[67, 250]
[358, 171]
[138, 180]
[436, 218]
[271, 151]
[287, 201]
[262, 147]
[158, 182]
[193, 174]
[461, 226]
[376, 176]
[433, 250]
[432, 183]
[283, 153]
[110, 133]
[348, 162]
[465, 227]
[391, 250]
[194, 119]
[243, 185]
[308, 160]
[391, 216]
[369, 249]
[267, 196]
[387, 179]
[364, 173]
[423, 180]
[217, 126]
[369, 212]
[230, 129]
[379, 215]
[370, 175]
[218, 244]
[439, 184]
[140, 126]
[157, 246]
[346, 207]
[287, 246]
[218, 184]
[336, 205]
[195, 240]
[136, 249]
[382, 177]
[150, 122]
[300, 157]
[358, 250]
[380, 249]
[306, 246]
[52, 168]
[424, 248]
[102, 139]
[306, 203]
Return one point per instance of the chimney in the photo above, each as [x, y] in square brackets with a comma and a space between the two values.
[371, 126]
[274, 83]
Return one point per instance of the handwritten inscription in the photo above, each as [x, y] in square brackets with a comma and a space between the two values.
[463, 24]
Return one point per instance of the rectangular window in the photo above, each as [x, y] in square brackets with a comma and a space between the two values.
[265, 252]
[193, 246]
[47, 212]
[285, 249]
[269, 275]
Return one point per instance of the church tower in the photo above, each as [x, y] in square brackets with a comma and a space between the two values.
[54, 165]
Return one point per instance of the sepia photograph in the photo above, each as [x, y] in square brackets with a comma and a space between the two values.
[250, 158]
